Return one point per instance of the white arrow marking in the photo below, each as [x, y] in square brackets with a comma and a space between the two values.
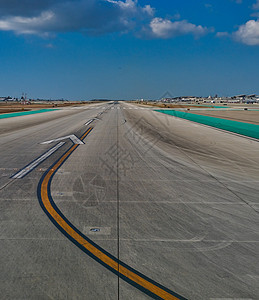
[90, 121]
[72, 137]
[36, 162]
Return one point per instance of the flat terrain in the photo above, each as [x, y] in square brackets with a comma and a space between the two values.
[247, 116]
[174, 200]
[10, 110]
[8, 107]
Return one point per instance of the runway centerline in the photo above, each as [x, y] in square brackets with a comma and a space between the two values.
[125, 272]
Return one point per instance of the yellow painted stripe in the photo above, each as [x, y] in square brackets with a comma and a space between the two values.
[88, 246]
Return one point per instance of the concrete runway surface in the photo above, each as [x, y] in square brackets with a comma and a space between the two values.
[173, 200]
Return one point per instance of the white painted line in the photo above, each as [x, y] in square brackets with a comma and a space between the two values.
[89, 122]
[72, 137]
[35, 163]
[75, 140]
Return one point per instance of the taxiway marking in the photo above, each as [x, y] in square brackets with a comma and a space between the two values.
[130, 275]
[90, 121]
[72, 137]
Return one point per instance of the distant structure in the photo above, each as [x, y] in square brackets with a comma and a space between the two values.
[247, 99]
[242, 98]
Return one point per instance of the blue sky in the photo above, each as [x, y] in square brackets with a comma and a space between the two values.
[84, 49]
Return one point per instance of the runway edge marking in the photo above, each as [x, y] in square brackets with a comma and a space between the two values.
[125, 272]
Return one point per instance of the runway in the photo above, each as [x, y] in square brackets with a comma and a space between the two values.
[172, 204]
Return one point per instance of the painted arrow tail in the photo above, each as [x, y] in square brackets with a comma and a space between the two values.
[27, 169]
[125, 272]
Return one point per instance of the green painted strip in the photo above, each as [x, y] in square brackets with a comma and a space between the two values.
[221, 109]
[242, 128]
[24, 113]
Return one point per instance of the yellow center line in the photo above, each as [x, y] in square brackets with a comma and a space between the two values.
[86, 244]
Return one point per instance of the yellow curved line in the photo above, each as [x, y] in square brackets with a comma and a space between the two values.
[88, 246]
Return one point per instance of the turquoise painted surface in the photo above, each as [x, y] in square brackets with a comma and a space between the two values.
[24, 113]
[246, 129]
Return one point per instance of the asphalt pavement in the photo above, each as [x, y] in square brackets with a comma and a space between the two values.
[148, 205]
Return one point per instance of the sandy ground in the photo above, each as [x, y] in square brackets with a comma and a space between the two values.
[17, 107]
[246, 116]
[168, 105]
[11, 110]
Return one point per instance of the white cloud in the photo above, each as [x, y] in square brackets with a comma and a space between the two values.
[88, 16]
[248, 33]
[26, 25]
[127, 4]
[149, 10]
[91, 17]
[164, 28]
[222, 34]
